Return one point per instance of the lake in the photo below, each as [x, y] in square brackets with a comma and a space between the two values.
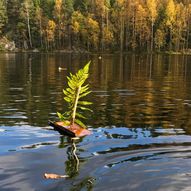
[141, 123]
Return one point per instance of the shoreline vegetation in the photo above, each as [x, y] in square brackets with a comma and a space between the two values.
[96, 26]
[7, 46]
[64, 51]
[83, 51]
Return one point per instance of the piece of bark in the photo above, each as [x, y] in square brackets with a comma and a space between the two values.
[54, 176]
[72, 130]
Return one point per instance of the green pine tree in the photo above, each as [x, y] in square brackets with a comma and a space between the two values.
[3, 15]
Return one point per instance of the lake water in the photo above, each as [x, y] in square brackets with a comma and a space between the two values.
[141, 124]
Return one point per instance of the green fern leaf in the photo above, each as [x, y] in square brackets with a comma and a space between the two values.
[67, 99]
[85, 94]
[60, 116]
[85, 109]
[84, 88]
[84, 103]
[75, 91]
[80, 123]
[81, 116]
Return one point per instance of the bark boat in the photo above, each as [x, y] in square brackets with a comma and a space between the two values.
[71, 131]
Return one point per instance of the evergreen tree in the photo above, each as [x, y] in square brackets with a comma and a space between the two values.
[13, 11]
[3, 15]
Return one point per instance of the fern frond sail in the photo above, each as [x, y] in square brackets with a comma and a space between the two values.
[75, 91]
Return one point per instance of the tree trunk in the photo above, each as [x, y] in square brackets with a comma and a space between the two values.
[187, 36]
[152, 24]
[41, 33]
[70, 37]
[121, 33]
[29, 28]
[170, 42]
[102, 24]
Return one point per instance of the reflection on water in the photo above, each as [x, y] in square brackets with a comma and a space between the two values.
[72, 164]
[151, 158]
[129, 90]
[133, 94]
[141, 123]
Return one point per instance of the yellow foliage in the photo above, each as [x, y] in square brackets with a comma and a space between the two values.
[93, 30]
[100, 7]
[51, 25]
[75, 27]
[58, 4]
[152, 9]
[107, 35]
[77, 22]
[77, 15]
[51, 30]
[87, 27]
[58, 9]
[93, 24]
[159, 38]
[170, 13]
[120, 2]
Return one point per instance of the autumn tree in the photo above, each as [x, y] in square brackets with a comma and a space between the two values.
[152, 14]
[125, 25]
[92, 32]
[68, 10]
[118, 20]
[188, 26]
[77, 22]
[141, 27]
[59, 20]
[50, 34]
[100, 10]
[159, 39]
[179, 28]
[170, 18]
[39, 21]
[108, 37]
[86, 28]
[25, 24]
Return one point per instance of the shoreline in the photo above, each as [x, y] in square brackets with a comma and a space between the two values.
[65, 51]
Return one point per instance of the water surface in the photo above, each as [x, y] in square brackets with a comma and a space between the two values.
[141, 123]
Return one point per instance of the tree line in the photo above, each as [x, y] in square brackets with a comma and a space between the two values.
[98, 25]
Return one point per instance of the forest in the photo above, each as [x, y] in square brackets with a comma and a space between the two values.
[97, 25]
